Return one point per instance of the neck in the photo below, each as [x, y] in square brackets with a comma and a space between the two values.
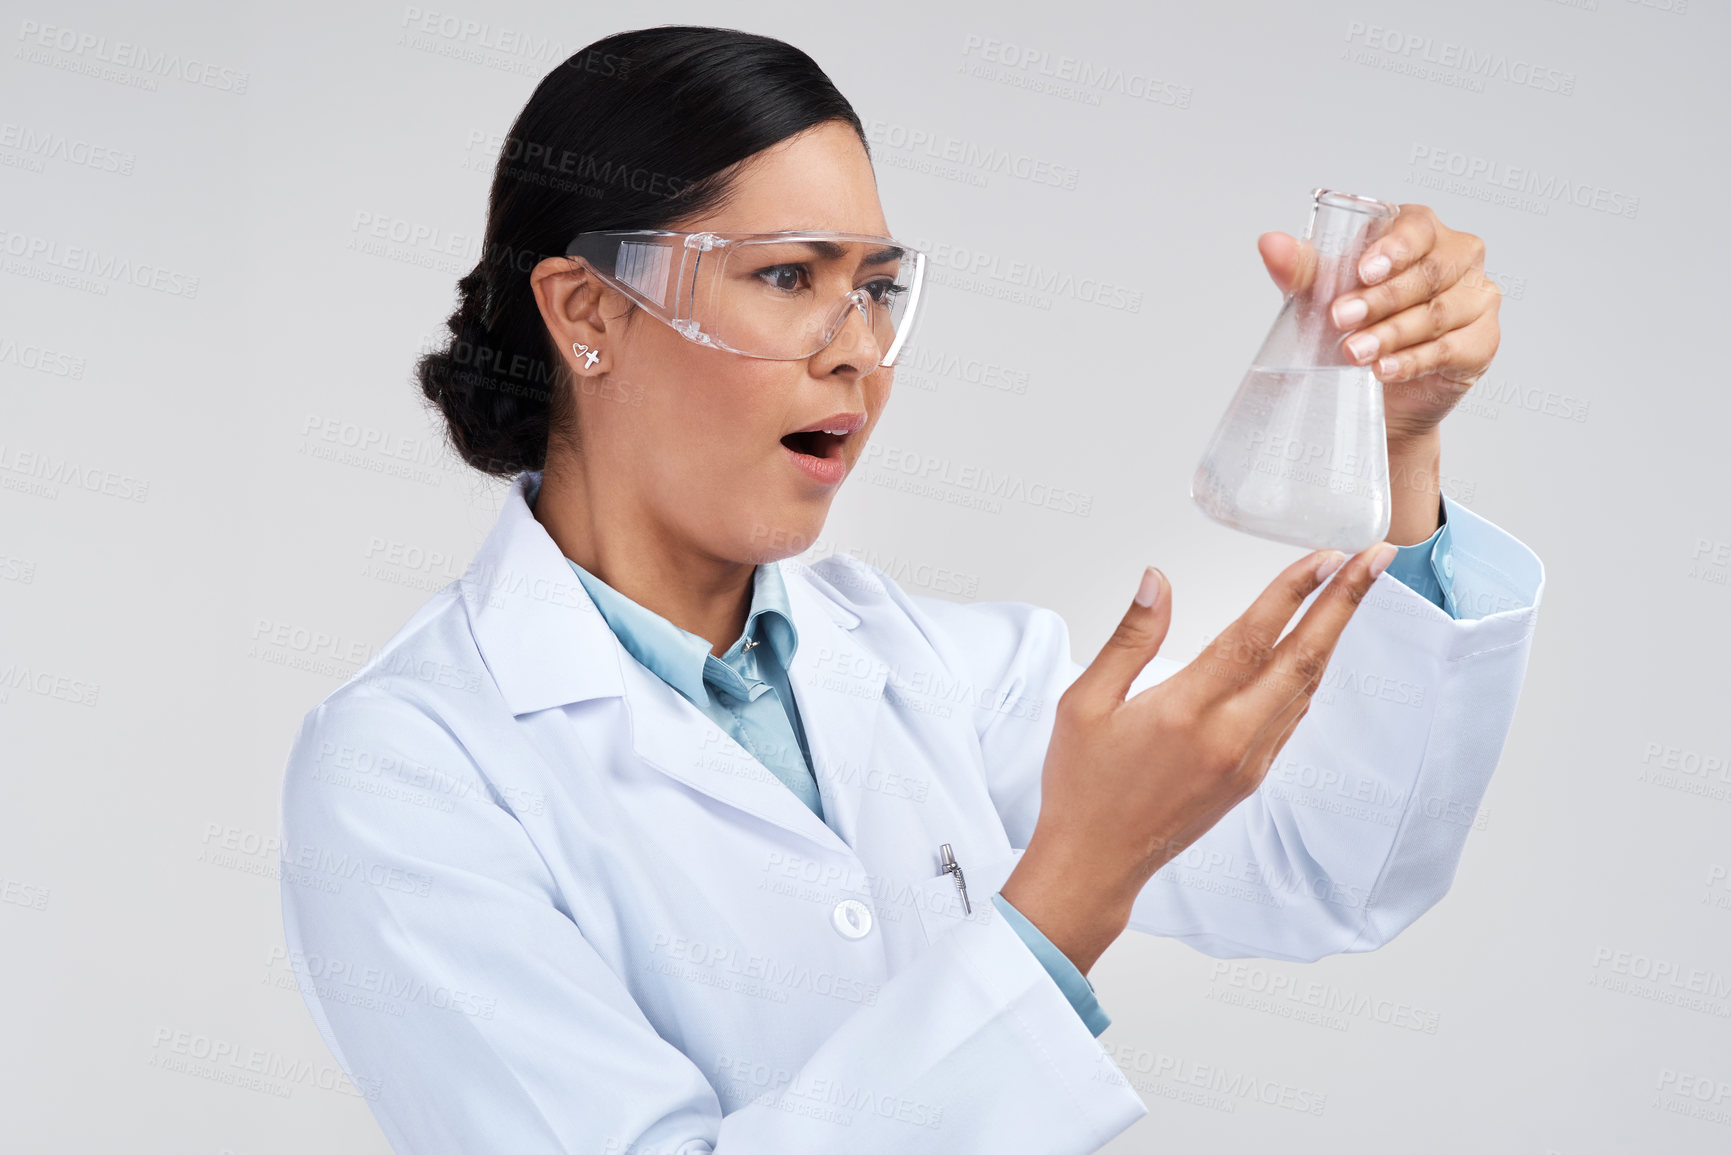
[627, 546]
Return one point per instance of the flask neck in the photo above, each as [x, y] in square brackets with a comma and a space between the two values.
[1340, 230]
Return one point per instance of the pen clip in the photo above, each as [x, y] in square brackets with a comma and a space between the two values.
[951, 866]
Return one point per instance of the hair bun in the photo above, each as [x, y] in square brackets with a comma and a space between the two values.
[495, 399]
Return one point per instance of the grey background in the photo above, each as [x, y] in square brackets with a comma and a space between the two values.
[196, 509]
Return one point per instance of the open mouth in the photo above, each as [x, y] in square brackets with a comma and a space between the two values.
[819, 443]
[817, 449]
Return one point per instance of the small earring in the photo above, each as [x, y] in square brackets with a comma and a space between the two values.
[581, 350]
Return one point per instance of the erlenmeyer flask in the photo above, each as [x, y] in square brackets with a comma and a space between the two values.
[1301, 456]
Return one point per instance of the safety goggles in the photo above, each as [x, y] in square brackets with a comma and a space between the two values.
[780, 296]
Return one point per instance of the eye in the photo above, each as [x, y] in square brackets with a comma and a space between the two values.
[884, 291]
[787, 278]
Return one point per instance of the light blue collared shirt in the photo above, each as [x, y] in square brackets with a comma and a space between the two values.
[746, 692]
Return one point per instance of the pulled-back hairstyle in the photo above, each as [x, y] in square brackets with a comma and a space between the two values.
[633, 132]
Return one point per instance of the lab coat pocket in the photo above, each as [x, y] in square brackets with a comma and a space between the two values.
[940, 902]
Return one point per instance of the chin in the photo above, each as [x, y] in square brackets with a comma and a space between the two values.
[788, 534]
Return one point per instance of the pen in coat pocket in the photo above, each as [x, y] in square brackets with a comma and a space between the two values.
[951, 866]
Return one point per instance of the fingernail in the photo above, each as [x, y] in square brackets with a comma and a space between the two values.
[1331, 560]
[1374, 269]
[1149, 591]
[1388, 366]
[1380, 559]
[1362, 346]
[1349, 313]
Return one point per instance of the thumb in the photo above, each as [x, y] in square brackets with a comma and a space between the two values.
[1134, 643]
[1291, 262]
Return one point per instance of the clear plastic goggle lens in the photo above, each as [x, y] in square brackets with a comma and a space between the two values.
[782, 296]
[792, 298]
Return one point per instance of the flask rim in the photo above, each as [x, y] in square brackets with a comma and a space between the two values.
[1352, 202]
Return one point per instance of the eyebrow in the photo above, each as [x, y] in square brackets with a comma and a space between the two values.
[835, 251]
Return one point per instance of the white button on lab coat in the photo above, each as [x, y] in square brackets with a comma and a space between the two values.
[541, 903]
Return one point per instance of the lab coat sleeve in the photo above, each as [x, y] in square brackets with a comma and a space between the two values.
[510, 1032]
[1360, 823]
[1071, 981]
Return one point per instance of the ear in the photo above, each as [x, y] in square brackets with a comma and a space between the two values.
[569, 300]
[1290, 262]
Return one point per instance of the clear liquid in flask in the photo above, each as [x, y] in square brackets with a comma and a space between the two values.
[1302, 457]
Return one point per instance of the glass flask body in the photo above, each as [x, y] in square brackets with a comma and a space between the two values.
[1301, 455]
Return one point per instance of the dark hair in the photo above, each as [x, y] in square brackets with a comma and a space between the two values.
[633, 132]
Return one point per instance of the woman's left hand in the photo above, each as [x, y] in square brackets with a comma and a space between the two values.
[1426, 320]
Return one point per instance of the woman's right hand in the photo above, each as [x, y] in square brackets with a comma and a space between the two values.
[1127, 785]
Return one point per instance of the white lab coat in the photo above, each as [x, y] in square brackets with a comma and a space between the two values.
[540, 903]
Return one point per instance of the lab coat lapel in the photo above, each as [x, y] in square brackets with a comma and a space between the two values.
[678, 739]
[839, 686]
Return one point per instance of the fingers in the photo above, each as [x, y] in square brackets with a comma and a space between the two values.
[1453, 308]
[1300, 658]
[1461, 354]
[1412, 234]
[1454, 258]
[1132, 645]
[1237, 656]
[1290, 261]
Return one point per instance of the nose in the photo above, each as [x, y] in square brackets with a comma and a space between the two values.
[861, 303]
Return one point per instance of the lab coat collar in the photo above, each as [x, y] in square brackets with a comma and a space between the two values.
[538, 632]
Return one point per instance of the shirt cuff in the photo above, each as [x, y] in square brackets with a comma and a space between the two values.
[1071, 981]
[1428, 569]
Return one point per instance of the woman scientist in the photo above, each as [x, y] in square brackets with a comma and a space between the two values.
[644, 837]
